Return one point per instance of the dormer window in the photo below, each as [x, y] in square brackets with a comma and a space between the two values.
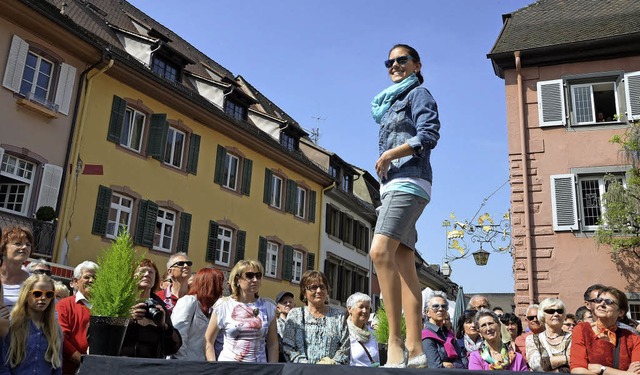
[347, 183]
[334, 170]
[164, 68]
[288, 141]
[235, 110]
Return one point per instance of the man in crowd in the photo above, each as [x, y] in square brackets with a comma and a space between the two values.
[478, 302]
[179, 269]
[534, 327]
[73, 316]
[584, 315]
[284, 304]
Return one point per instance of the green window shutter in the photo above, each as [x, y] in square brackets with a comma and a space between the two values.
[241, 240]
[287, 263]
[312, 206]
[267, 186]
[328, 222]
[194, 150]
[290, 197]
[118, 108]
[311, 262]
[343, 226]
[184, 232]
[262, 251]
[221, 155]
[246, 177]
[158, 129]
[146, 224]
[366, 285]
[101, 216]
[212, 240]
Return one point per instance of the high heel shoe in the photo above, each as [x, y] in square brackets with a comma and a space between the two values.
[403, 364]
[419, 361]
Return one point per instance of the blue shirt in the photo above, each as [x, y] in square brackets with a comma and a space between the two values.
[33, 362]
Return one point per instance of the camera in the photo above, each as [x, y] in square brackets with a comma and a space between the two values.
[153, 312]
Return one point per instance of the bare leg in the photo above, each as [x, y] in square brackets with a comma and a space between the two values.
[383, 254]
[411, 299]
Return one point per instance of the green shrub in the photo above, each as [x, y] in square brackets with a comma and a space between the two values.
[115, 289]
[381, 333]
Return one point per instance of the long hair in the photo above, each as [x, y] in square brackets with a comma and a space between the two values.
[20, 326]
[207, 287]
[238, 271]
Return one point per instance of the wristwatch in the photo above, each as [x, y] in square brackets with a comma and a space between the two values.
[602, 370]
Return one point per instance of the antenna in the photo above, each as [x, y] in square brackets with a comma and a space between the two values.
[315, 132]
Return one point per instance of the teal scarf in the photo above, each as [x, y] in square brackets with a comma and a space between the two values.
[381, 103]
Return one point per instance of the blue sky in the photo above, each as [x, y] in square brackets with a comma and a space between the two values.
[324, 59]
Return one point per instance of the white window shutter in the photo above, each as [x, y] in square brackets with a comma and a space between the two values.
[632, 91]
[564, 202]
[50, 186]
[1, 154]
[551, 108]
[15, 64]
[65, 87]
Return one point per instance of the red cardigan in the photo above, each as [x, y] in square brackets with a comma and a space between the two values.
[586, 348]
[74, 320]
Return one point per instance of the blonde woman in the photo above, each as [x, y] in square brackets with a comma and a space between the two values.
[247, 320]
[34, 342]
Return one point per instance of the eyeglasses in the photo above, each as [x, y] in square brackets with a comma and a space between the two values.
[182, 263]
[41, 271]
[569, 324]
[401, 60]
[313, 288]
[437, 306]
[532, 317]
[553, 311]
[606, 301]
[49, 294]
[252, 275]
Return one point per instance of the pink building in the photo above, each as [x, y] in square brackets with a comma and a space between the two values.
[572, 80]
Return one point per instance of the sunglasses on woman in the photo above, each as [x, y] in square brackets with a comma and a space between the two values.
[606, 301]
[49, 294]
[553, 311]
[401, 60]
[41, 272]
[252, 275]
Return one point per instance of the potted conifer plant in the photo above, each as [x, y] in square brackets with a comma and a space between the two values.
[113, 293]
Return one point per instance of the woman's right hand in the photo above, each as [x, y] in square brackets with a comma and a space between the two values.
[138, 311]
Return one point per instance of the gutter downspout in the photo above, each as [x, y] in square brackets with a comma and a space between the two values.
[73, 149]
[525, 176]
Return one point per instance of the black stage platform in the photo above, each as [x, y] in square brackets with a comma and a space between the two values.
[98, 365]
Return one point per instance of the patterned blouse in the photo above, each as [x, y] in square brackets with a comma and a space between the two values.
[317, 338]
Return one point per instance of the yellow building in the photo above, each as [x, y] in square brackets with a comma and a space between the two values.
[165, 147]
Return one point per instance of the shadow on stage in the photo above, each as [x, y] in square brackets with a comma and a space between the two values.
[95, 365]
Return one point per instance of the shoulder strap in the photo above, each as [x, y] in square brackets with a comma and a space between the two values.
[304, 332]
[616, 351]
[366, 351]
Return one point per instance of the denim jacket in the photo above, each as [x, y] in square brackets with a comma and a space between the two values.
[413, 119]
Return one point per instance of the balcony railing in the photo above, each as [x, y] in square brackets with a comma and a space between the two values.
[44, 233]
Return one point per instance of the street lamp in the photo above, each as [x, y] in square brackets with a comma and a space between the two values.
[486, 231]
[446, 269]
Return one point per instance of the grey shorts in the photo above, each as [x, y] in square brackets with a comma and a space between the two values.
[397, 216]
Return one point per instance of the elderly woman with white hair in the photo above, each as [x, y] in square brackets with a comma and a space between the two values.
[549, 350]
[364, 347]
[438, 342]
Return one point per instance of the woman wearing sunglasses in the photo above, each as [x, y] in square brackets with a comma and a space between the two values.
[493, 353]
[550, 350]
[409, 125]
[247, 320]
[34, 342]
[316, 332]
[602, 347]
[150, 333]
[438, 342]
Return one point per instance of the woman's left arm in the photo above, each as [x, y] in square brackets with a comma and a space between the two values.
[343, 353]
[424, 113]
[273, 348]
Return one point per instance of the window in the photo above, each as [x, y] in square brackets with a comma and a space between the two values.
[164, 68]
[33, 73]
[174, 148]
[132, 129]
[230, 173]
[119, 215]
[163, 236]
[332, 221]
[589, 99]
[289, 142]
[634, 310]
[16, 181]
[301, 200]
[276, 192]
[347, 183]
[297, 266]
[576, 199]
[334, 171]
[271, 265]
[223, 246]
[235, 110]
[37, 76]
